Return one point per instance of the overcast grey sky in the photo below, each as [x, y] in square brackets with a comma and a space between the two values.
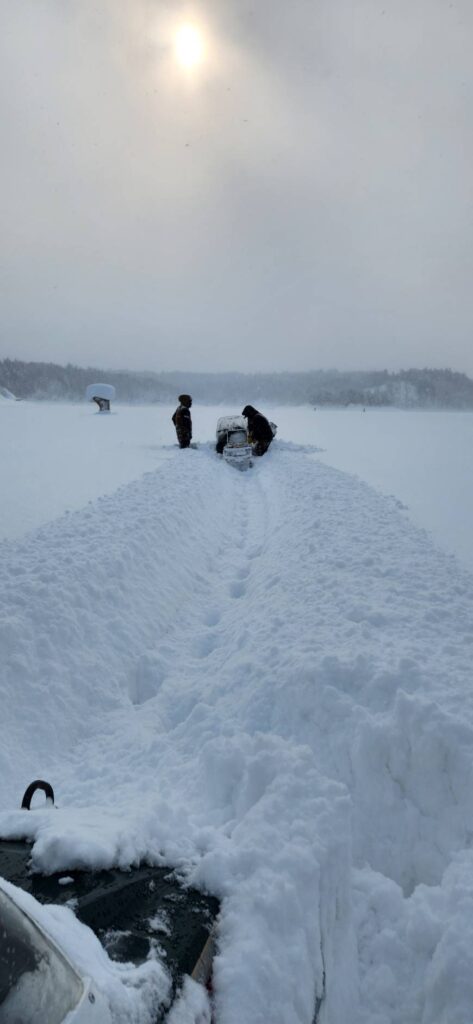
[301, 198]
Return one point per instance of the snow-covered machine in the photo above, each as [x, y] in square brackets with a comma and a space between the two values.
[101, 394]
[232, 441]
[41, 983]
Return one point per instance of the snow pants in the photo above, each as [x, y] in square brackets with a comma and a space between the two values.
[260, 447]
[184, 438]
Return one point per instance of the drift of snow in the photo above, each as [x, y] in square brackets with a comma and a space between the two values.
[263, 679]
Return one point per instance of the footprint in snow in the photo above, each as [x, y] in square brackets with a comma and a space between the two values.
[212, 617]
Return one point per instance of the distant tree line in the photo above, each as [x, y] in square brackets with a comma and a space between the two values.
[406, 389]
[68, 383]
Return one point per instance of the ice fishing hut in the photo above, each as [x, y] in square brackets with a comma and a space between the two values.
[102, 394]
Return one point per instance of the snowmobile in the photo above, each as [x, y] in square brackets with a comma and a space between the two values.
[232, 441]
[120, 907]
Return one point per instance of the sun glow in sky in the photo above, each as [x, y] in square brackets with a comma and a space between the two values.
[323, 151]
[189, 46]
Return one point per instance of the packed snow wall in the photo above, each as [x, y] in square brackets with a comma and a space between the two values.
[263, 679]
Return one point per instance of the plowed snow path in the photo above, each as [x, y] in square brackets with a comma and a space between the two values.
[264, 678]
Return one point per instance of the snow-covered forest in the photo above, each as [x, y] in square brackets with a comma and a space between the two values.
[413, 388]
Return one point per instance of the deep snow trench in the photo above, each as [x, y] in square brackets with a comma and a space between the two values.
[265, 679]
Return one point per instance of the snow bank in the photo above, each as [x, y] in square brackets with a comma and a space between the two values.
[413, 767]
[415, 953]
[264, 680]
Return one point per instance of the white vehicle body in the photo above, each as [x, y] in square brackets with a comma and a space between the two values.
[232, 441]
[38, 982]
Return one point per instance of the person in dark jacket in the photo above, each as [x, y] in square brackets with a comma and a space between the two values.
[182, 421]
[260, 433]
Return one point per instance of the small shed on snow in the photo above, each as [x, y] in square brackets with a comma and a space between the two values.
[102, 394]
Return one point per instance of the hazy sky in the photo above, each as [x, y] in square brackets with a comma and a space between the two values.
[301, 197]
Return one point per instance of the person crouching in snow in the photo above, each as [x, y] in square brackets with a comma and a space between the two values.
[260, 433]
[182, 421]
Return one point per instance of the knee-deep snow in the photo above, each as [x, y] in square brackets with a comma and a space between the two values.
[265, 679]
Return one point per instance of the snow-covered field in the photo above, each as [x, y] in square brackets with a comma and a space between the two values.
[58, 457]
[264, 678]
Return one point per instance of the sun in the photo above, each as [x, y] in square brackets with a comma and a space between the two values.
[189, 46]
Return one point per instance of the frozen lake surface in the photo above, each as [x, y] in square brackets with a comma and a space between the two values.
[262, 679]
[57, 457]
[424, 458]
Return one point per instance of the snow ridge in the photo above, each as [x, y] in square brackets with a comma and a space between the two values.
[263, 679]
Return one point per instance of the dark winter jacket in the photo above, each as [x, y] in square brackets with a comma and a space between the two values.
[258, 426]
[182, 420]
